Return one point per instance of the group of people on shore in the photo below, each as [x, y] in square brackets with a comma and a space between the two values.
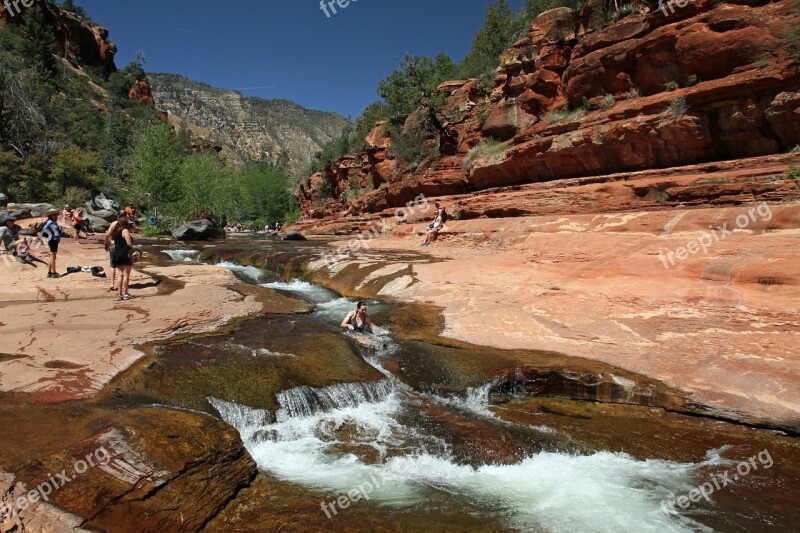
[118, 242]
[19, 247]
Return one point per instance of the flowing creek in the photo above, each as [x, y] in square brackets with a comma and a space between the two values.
[383, 445]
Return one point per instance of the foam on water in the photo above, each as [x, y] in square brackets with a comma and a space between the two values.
[183, 255]
[248, 273]
[548, 491]
[315, 437]
[314, 293]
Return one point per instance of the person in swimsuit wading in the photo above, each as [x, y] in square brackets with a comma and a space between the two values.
[358, 320]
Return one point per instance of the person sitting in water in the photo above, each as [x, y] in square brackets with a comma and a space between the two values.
[358, 320]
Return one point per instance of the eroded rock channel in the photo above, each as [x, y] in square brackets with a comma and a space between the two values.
[282, 422]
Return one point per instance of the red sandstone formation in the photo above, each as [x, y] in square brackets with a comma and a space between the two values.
[75, 36]
[141, 91]
[577, 98]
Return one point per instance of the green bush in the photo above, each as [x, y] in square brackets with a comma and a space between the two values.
[633, 94]
[155, 231]
[677, 107]
[564, 113]
[414, 144]
[485, 148]
[671, 85]
[75, 196]
[793, 173]
[792, 39]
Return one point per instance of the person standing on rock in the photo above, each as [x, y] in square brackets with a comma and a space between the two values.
[66, 216]
[52, 233]
[121, 261]
[358, 320]
[108, 241]
[77, 223]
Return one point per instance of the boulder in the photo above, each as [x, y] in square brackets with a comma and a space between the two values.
[101, 203]
[106, 214]
[100, 225]
[197, 230]
[29, 210]
[20, 214]
[293, 236]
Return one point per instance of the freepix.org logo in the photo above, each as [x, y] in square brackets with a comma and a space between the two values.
[329, 6]
[15, 7]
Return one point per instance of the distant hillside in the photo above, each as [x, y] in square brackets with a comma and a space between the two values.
[248, 129]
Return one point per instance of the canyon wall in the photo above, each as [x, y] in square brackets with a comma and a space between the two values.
[578, 98]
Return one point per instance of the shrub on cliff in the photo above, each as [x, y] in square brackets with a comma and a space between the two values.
[414, 143]
[792, 39]
[489, 147]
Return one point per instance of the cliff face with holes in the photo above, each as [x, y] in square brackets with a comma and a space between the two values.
[579, 97]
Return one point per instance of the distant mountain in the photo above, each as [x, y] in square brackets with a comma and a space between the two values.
[247, 128]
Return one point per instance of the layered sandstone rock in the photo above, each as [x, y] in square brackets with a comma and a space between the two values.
[580, 97]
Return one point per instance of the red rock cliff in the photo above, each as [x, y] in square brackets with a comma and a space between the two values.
[76, 36]
[712, 81]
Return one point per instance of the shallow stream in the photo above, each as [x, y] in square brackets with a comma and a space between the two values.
[380, 444]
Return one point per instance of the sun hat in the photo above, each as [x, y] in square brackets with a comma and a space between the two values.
[52, 212]
[9, 218]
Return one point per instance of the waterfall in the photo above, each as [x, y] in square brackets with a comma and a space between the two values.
[305, 401]
[183, 256]
[240, 416]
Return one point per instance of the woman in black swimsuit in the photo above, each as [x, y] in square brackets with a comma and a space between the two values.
[358, 320]
[123, 243]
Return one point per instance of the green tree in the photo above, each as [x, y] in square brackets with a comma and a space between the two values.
[265, 194]
[74, 167]
[40, 45]
[155, 167]
[497, 33]
[414, 84]
[208, 188]
[119, 83]
[372, 114]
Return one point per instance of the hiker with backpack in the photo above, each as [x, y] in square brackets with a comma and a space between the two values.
[436, 226]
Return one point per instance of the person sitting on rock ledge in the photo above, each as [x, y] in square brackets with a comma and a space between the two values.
[9, 234]
[436, 226]
[358, 320]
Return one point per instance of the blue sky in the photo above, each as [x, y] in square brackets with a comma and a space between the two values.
[289, 48]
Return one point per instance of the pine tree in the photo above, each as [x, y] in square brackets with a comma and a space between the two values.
[40, 45]
[492, 40]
